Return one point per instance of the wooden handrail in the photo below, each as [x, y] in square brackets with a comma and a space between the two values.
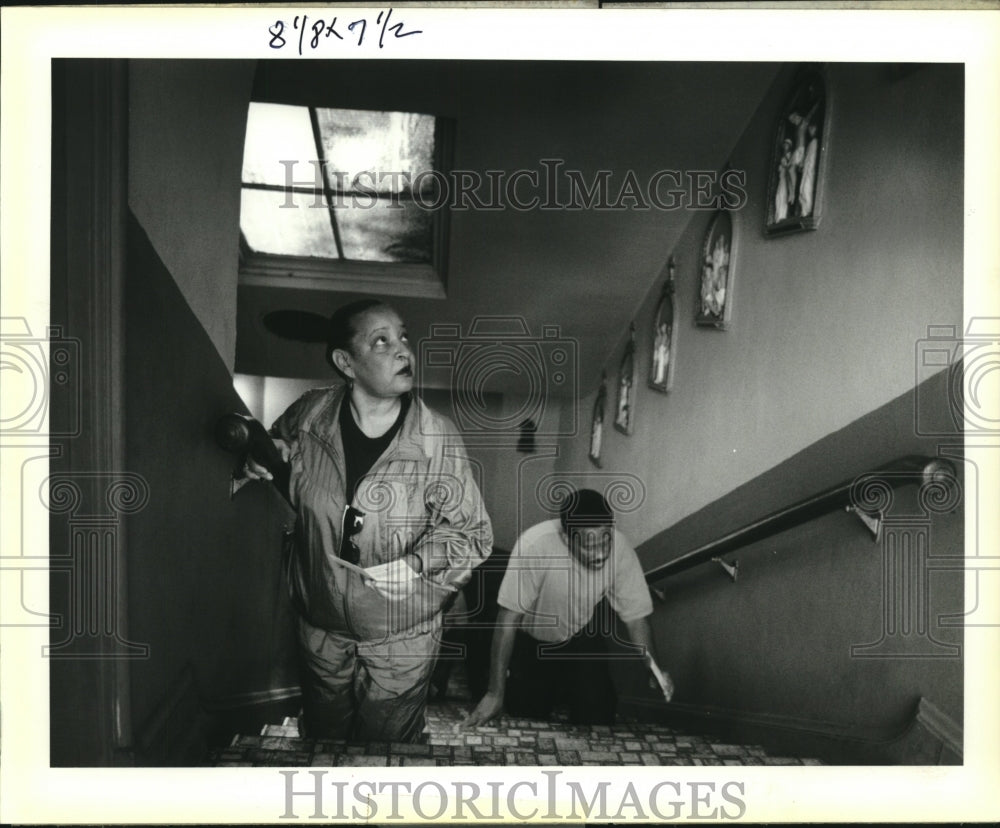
[928, 471]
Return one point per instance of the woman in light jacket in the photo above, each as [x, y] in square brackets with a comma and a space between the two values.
[390, 523]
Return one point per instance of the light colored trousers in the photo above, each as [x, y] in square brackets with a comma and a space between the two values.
[366, 691]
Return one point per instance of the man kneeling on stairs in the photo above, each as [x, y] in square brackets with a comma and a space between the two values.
[550, 644]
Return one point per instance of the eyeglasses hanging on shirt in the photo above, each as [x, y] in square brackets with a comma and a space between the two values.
[353, 522]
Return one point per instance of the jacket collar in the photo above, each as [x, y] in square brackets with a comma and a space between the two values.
[409, 442]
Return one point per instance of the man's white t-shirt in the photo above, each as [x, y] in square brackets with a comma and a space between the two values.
[557, 594]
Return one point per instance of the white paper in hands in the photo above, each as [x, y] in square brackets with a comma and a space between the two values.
[399, 570]
[393, 580]
[355, 569]
[662, 679]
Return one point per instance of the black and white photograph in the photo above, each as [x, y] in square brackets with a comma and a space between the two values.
[314, 324]
[663, 355]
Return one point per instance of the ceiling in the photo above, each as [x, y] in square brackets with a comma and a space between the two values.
[579, 273]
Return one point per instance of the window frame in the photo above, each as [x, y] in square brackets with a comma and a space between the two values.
[426, 280]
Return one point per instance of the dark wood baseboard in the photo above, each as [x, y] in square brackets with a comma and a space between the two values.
[926, 736]
[185, 728]
[246, 713]
[254, 698]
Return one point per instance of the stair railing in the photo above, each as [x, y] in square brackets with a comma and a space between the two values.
[867, 496]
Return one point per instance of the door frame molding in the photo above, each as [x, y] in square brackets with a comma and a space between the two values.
[89, 212]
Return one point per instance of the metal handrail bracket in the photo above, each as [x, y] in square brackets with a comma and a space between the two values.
[867, 496]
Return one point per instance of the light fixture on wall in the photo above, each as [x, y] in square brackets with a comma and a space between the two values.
[526, 441]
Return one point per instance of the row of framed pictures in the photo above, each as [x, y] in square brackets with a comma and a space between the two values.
[795, 178]
[714, 310]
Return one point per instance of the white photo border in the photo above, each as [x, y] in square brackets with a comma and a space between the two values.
[31, 37]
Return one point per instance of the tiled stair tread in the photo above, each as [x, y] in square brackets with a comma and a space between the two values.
[505, 741]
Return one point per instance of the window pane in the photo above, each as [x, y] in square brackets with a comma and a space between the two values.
[270, 228]
[356, 141]
[386, 234]
[276, 132]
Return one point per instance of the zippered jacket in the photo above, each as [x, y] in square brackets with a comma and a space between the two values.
[419, 497]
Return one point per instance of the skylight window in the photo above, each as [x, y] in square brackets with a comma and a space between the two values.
[343, 198]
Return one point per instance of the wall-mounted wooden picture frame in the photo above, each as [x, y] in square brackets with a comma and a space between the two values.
[717, 268]
[798, 156]
[597, 422]
[664, 341]
[625, 402]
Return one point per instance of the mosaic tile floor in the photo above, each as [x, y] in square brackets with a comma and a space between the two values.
[505, 741]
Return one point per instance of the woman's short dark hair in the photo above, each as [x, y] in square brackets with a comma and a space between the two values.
[342, 329]
[585, 507]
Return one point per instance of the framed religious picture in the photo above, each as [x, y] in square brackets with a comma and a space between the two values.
[625, 406]
[597, 422]
[718, 262]
[664, 342]
[798, 156]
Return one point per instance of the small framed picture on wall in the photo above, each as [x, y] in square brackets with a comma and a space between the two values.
[664, 340]
[798, 156]
[597, 422]
[718, 265]
[625, 406]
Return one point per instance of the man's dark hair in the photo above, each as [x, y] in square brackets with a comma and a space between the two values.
[585, 507]
[341, 328]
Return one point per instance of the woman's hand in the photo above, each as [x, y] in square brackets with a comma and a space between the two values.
[394, 580]
[255, 471]
[489, 707]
